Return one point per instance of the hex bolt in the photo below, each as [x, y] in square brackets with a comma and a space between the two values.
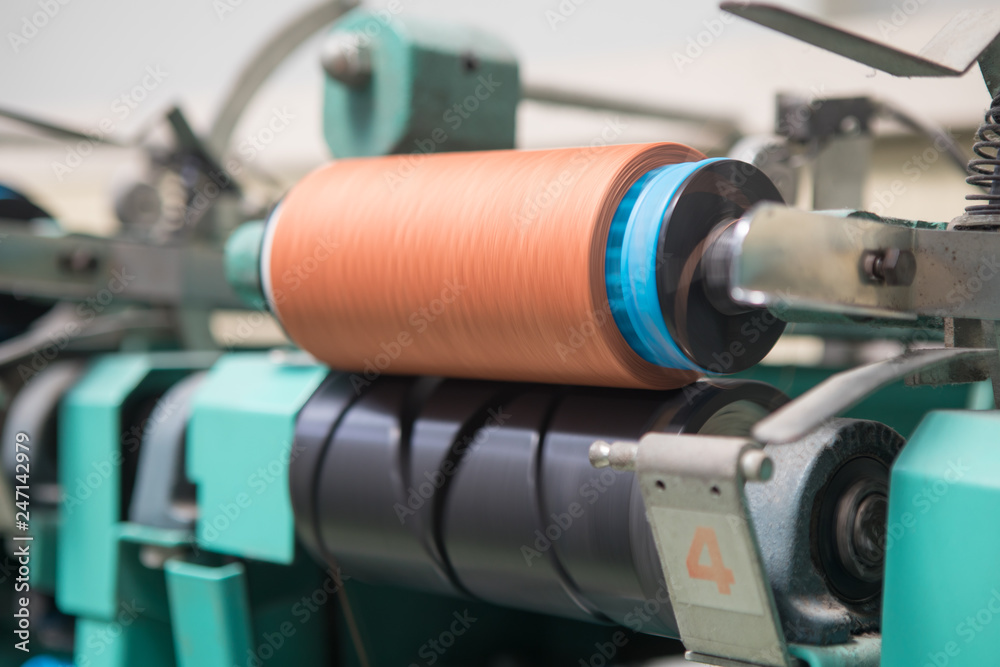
[892, 266]
[78, 261]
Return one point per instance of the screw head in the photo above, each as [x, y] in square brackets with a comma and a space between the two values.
[892, 266]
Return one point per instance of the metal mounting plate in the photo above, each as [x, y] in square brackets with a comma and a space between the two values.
[787, 258]
[692, 487]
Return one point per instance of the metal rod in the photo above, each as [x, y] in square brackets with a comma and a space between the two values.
[586, 100]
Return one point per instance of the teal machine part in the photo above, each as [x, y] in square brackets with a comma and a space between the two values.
[941, 604]
[431, 88]
[243, 422]
[194, 609]
[92, 454]
[122, 616]
[211, 615]
[242, 258]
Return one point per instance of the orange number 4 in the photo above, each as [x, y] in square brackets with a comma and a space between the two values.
[705, 538]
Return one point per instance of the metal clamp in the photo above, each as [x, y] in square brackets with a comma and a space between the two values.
[692, 487]
[785, 259]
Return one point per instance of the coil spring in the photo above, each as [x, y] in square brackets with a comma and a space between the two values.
[985, 169]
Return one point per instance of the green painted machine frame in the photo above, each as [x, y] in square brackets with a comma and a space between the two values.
[167, 597]
[433, 88]
[941, 598]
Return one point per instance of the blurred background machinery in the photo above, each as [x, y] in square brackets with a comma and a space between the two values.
[782, 452]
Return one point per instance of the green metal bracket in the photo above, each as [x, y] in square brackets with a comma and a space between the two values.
[93, 447]
[242, 258]
[210, 613]
[941, 602]
[139, 632]
[239, 445]
[124, 642]
[427, 88]
[44, 548]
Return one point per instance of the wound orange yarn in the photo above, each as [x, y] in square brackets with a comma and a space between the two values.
[478, 265]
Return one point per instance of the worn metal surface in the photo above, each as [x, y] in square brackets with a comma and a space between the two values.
[793, 526]
[79, 267]
[693, 491]
[843, 390]
[787, 259]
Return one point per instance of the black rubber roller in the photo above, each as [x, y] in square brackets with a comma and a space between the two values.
[485, 490]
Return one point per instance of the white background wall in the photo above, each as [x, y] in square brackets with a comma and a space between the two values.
[73, 69]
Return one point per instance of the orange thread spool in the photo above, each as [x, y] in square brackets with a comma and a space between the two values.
[477, 265]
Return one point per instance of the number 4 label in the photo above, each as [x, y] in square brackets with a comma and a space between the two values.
[704, 540]
[706, 560]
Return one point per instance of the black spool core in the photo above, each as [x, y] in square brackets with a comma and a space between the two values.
[722, 342]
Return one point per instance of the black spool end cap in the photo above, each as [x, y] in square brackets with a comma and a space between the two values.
[718, 335]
